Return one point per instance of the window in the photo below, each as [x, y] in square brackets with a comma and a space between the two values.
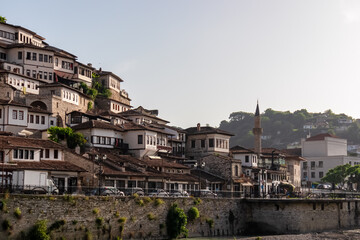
[31, 154]
[2, 160]
[14, 114]
[2, 55]
[37, 117]
[203, 143]
[34, 56]
[15, 153]
[211, 142]
[47, 153]
[312, 165]
[41, 57]
[0, 113]
[50, 76]
[26, 154]
[305, 175]
[140, 139]
[321, 164]
[34, 73]
[305, 165]
[19, 55]
[28, 55]
[236, 170]
[45, 75]
[40, 74]
[21, 115]
[321, 174]
[247, 158]
[56, 154]
[28, 72]
[46, 58]
[192, 143]
[56, 62]
[42, 120]
[312, 174]
[41, 153]
[21, 154]
[31, 118]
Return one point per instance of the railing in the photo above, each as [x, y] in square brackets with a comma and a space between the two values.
[304, 193]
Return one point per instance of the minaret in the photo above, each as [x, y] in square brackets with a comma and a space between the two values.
[257, 130]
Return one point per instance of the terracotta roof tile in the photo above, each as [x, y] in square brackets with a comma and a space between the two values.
[320, 137]
[97, 124]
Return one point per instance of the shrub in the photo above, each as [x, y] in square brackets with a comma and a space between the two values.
[17, 213]
[96, 211]
[176, 221]
[6, 225]
[193, 214]
[146, 200]
[99, 221]
[117, 214]
[151, 216]
[3, 205]
[210, 222]
[140, 202]
[56, 225]
[38, 231]
[158, 202]
[122, 220]
[197, 201]
[88, 235]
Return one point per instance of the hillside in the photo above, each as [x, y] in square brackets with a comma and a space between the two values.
[284, 128]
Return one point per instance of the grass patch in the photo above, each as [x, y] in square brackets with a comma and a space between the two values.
[158, 202]
[151, 216]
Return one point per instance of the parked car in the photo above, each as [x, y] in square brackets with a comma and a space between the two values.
[106, 191]
[207, 193]
[179, 193]
[159, 193]
[324, 186]
[131, 191]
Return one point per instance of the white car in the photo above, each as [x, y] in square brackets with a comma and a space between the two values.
[159, 193]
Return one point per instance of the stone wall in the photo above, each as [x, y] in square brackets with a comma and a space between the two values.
[256, 217]
[80, 216]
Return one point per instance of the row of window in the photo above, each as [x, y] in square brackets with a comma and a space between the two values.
[22, 83]
[247, 159]
[115, 84]
[39, 75]
[7, 35]
[65, 65]
[34, 56]
[83, 72]
[47, 153]
[23, 154]
[117, 107]
[105, 140]
[32, 117]
[219, 143]
[313, 175]
[70, 96]
[18, 114]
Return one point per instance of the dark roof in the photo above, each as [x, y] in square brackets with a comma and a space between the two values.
[320, 137]
[131, 126]
[292, 151]
[25, 29]
[239, 149]
[140, 111]
[110, 113]
[206, 130]
[39, 110]
[89, 115]
[97, 124]
[103, 73]
[51, 165]
[12, 103]
[23, 142]
[164, 163]
[206, 175]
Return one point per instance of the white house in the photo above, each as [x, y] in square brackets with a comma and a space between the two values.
[324, 152]
[13, 116]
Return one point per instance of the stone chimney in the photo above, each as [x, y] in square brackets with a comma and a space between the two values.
[198, 127]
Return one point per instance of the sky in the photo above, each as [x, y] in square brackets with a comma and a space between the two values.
[197, 61]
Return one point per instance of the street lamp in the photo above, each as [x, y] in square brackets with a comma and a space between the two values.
[99, 160]
[199, 166]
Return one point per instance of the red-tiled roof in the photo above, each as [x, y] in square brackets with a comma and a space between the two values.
[49, 165]
[239, 149]
[206, 130]
[9, 142]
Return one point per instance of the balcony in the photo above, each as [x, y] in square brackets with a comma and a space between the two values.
[122, 146]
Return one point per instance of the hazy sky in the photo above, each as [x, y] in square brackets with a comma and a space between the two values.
[200, 60]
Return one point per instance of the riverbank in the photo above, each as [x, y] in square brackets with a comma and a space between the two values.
[331, 235]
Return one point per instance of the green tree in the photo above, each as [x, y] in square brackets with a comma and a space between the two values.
[72, 138]
[2, 19]
[176, 221]
[337, 175]
[354, 176]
